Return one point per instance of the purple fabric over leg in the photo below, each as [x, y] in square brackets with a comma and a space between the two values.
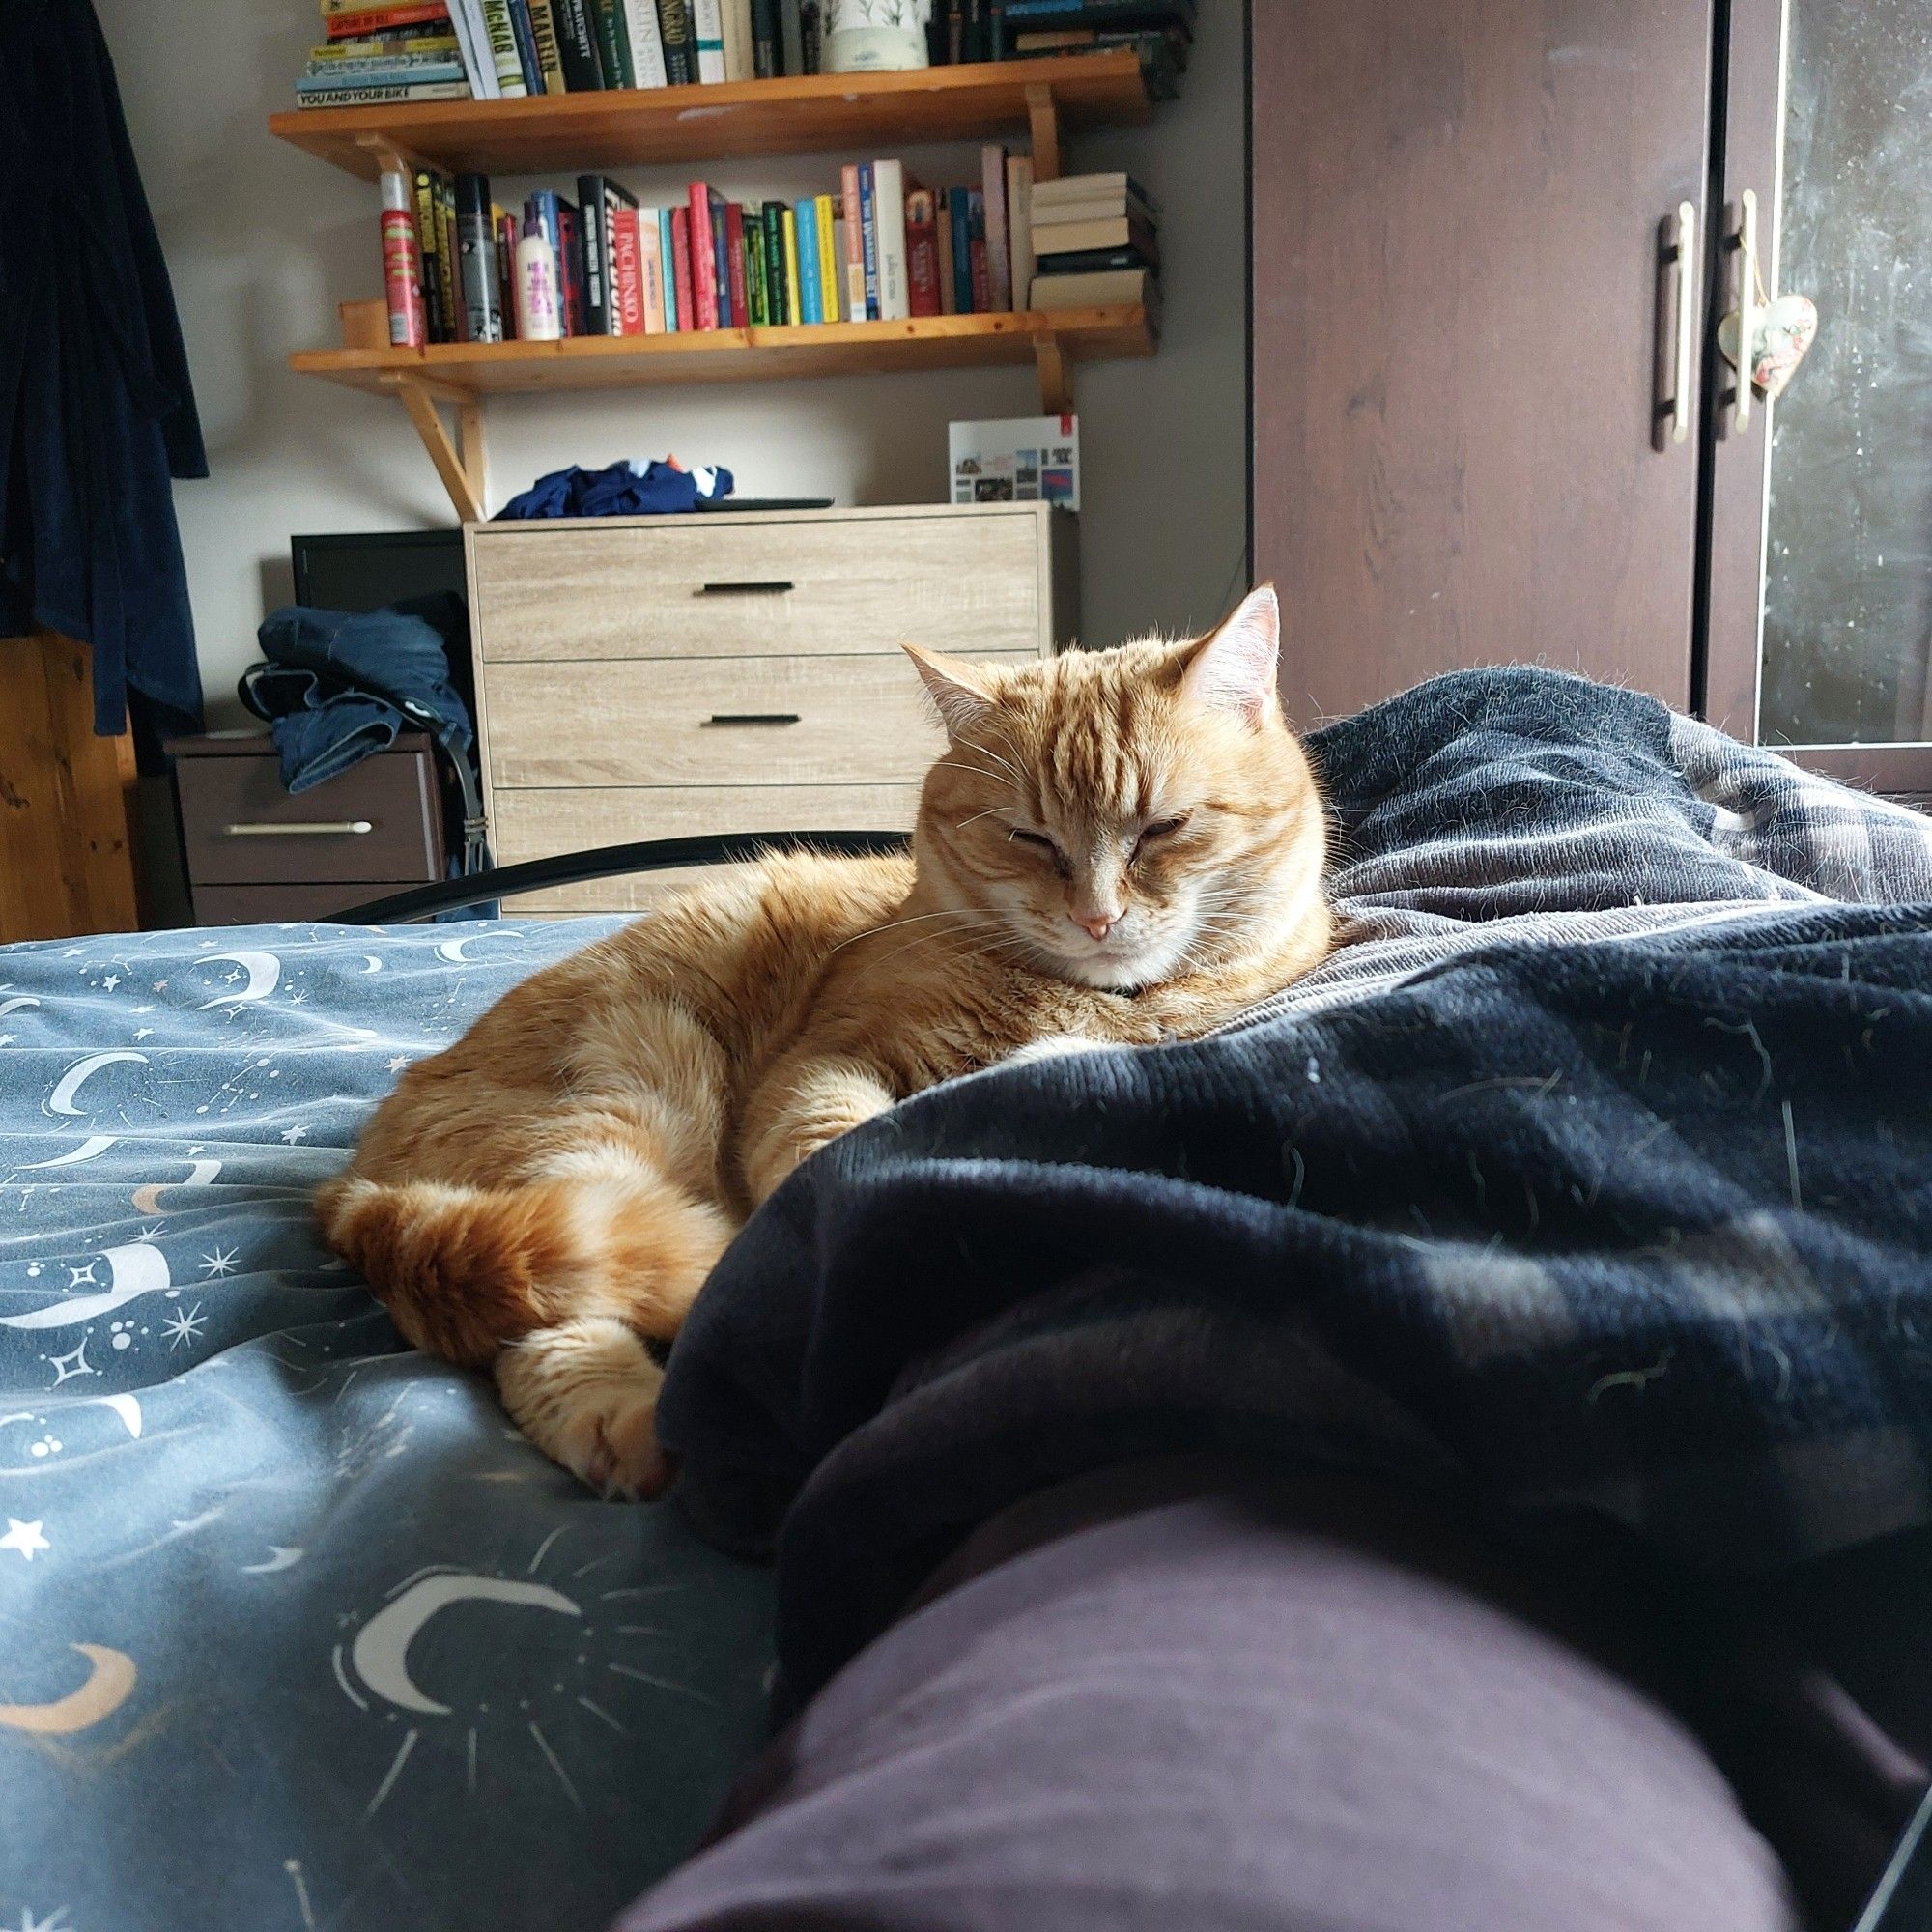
[1150, 1699]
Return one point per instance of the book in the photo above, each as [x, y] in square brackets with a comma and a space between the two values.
[1023, 13]
[960, 206]
[597, 306]
[737, 40]
[838, 267]
[382, 69]
[734, 263]
[805, 230]
[794, 303]
[570, 271]
[651, 316]
[829, 260]
[977, 34]
[472, 37]
[721, 262]
[1097, 206]
[550, 57]
[645, 37]
[677, 307]
[349, 25]
[754, 267]
[998, 257]
[1082, 261]
[975, 241]
[430, 43]
[505, 230]
[767, 49]
[942, 221]
[681, 285]
[855, 251]
[889, 193]
[680, 50]
[629, 275]
[921, 253]
[703, 260]
[445, 197]
[869, 238]
[613, 54]
[1019, 227]
[771, 225]
[791, 36]
[429, 244]
[476, 260]
[618, 201]
[1105, 288]
[339, 85]
[810, 29]
[707, 29]
[527, 47]
[1110, 184]
[1067, 237]
[577, 45]
[503, 55]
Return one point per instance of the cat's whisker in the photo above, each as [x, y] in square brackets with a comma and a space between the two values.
[991, 811]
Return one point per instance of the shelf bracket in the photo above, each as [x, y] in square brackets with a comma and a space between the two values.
[390, 157]
[1055, 387]
[461, 462]
[1043, 117]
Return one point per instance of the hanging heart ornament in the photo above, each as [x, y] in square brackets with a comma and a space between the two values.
[1784, 330]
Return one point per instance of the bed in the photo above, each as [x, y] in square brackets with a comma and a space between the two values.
[299, 1632]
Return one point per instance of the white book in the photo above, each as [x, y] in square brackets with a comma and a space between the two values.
[707, 34]
[647, 47]
[501, 37]
[650, 256]
[472, 44]
[888, 217]
[738, 63]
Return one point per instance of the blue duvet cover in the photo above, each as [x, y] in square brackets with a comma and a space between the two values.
[296, 1632]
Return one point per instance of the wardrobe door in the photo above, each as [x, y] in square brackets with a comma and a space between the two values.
[1474, 383]
[1821, 532]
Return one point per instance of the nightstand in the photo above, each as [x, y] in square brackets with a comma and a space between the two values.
[254, 853]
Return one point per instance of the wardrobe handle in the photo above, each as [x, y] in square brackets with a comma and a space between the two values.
[300, 828]
[752, 717]
[1686, 317]
[750, 587]
[1746, 244]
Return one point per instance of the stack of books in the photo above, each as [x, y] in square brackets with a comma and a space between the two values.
[881, 248]
[1094, 244]
[377, 50]
[1161, 32]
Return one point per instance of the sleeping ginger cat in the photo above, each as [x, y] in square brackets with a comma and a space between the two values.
[1117, 848]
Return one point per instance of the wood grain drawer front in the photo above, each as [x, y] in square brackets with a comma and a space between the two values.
[264, 905]
[707, 721]
[757, 589]
[375, 822]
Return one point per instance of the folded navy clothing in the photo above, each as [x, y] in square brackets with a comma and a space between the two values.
[623, 489]
[1588, 1179]
[324, 687]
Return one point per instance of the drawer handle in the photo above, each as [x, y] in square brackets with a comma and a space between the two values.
[752, 717]
[747, 587]
[301, 828]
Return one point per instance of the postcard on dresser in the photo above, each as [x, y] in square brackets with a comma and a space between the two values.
[1018, 460]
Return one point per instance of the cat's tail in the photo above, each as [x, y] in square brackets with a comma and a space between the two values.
[466, 1271]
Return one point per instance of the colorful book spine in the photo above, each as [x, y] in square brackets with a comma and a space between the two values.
[653, 316]
[679, 45]
[707, 27]
[525, 29]
[677, 312]
[805, 218]
[868, 237]
[975, 238]
[503, 55]
[734, 263]
[613, 53]
[577, 45]
[597, 309]
[570, 271]
[352, 25]
[855, 252]
[998, 257]
[704, 259]
[827, 251]
[921, 253]
[754, 271]
[721, 263]
[794, 305]
[506, 270]
[683, 283]
[618, 200]
[771, 226]
[646, 36]
[550, 56]
[889, 193]
[627, 271]
[958, 207]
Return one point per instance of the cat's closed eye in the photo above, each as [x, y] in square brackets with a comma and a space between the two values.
[1040, 842]
[1161, 828]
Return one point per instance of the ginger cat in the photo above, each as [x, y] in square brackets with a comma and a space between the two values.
[1116, 848]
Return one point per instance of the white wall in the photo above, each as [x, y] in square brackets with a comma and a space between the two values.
[263, 242]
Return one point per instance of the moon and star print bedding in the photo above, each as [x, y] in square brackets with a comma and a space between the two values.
[296, 1630]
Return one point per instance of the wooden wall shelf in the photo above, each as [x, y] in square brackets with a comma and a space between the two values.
[471, 369]
[858, 113]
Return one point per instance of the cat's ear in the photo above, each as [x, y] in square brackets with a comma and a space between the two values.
[1233, 669]
[959, 690]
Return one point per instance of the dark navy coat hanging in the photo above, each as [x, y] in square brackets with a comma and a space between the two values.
[97, 413]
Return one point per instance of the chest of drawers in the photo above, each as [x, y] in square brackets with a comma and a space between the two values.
[660, 677]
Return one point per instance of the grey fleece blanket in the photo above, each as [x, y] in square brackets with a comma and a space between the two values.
[1592, 1176]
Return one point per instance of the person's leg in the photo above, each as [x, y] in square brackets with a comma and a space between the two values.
[1170, 1700]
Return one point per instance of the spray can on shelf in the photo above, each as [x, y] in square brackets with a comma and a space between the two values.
[402, 265]
[539, 312]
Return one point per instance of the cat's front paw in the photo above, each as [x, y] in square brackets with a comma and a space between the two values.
[1052, 1046]
[586, 1394]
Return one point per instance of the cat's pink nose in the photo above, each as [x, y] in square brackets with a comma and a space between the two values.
[1096, 925]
